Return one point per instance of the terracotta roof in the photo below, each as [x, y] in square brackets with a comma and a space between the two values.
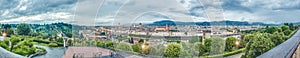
[156, 29]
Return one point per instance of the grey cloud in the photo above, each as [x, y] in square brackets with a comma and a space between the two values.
[235, 5]
[43, 6]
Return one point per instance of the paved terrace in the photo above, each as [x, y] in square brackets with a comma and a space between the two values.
[88, 52]
[286, 49]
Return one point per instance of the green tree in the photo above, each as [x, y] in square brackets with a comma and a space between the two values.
[137, 48]
[23, 29]
[124, 47]
[109, 44]
[173, 50]
[70, 42]
[287, 32]
[261, 43]
[217, 46]
[246, 39]
[3, 44]
[53, 45]
[60, 40]
[14, 40]
[277, 38]
[187, 50]
[230, 43]
[45, 35]
[271, 29]
[157, 50]
[34, 33]
[199, 49]
[291, 25]
[284, 28]
[195, 39]
[9, 32]
[208, 43]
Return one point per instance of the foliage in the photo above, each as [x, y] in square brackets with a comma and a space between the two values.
[187, 50]
[34, 33]
[53, 45]
[175, 41]
[174, 30]
[208, 43]
[137, 48]
[199, 49]
[23, 29]
[173, 50]
[123, 46]
[141, 41]
[70, 42]
[245, 39]
[258, 45]
[60, 40]
[42, 41]
[234, 52]
[271, 29]
[9, 32]
[105, 44]
[277, 38]
[226, 53]
[217, 46]
[24, 50]
[287, 32]
[5, 43]
[195, 39]
[230, 44]
[157, 50]
[22, 45]
[261, 42]
[283, 28]
[130, 40]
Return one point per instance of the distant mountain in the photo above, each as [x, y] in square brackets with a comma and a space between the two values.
[162, 23]
[233, 23]
[297, 23]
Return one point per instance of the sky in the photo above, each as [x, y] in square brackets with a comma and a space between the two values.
[112, 12]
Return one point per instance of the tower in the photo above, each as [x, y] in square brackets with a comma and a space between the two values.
[140, 25]
[167, 28]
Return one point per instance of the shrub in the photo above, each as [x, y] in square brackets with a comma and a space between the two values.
[199, 49]
[230, 44]
[124, 47]
[137, 48]
[53, 45]
[173, 50]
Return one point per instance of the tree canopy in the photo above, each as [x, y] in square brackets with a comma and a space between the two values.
[23, 29]
[173, 50]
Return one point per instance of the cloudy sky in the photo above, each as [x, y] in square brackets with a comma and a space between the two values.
[110, 12]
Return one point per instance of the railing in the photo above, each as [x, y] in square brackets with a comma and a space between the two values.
[284, 50]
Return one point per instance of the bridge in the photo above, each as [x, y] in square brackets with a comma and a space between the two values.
[288, 49]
